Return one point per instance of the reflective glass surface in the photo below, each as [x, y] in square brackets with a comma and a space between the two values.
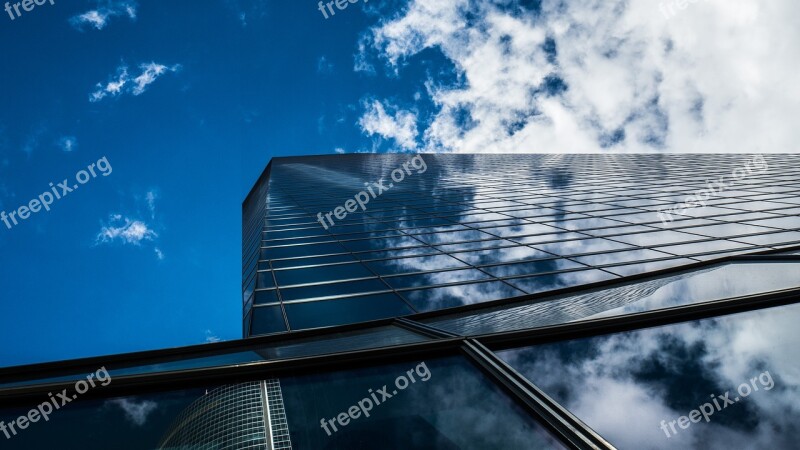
[721, 383]
[696, 286]
[512, 223]
[327, 313]
[125, 423]
[267, 319]
[289, 348]
[448, 405]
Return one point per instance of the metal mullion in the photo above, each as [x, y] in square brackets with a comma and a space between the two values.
[424, 329]
[232, 373]
[280, 299]
[568, 258]
[571, 430]
[359, 261]
[638, 321]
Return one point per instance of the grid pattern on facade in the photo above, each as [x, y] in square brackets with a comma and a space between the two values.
[477, 228]
[277, 415]
[228, 417]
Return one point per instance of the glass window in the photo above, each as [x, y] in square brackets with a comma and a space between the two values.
[549, 282]
[621, 257]
[124, 423]
[339, 342]
[695, 286]
[321, 274]
[480, 245]
[316, 260]
[532, 267]
[582, 246]
[458, 295]
[434, 278]
[330, 290]
[267, 319]
[448, 405]
[265, 280]
[502, 255]
[645, 267]
[345, 310]
[294, 251]
[719, 383]
[381, 244]
[409, 265]
[658, 237]
[266, 297]
[727, 230]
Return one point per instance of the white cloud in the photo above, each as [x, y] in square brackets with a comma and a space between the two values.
[244, 9]
[211, 337]
[136, 412]
[68, 143]
[402, 126]
[150, 72]
[125, 230]
[151, 197]
[324, 66]
[123, 83]
[132, 229]
[33, 139]
[587, 75]
[99, 18]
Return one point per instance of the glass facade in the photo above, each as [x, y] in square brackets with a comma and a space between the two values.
[226, 418]
[665, 372]
[474, 302]
[452, 230]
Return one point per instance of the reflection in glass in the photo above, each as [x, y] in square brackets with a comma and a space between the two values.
[450, 405]
[345, 310]
[630, 386]
[125, 423]
[714, 283]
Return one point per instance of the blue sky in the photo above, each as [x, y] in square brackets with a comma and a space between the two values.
[149, 256]
[188, 101]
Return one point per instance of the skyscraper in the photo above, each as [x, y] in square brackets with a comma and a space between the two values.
[482, 301]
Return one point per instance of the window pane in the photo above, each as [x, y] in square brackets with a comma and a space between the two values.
[266, 297]
[126, 423]
[320, 274]
[346, 310]
[458, 295]
[450, 405]
[641, 389]
[268, 319]
[714, 283]
[265, 280]
[327, 290]
[339, 342]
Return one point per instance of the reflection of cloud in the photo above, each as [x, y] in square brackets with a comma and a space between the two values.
[135, 412]
[623, 385]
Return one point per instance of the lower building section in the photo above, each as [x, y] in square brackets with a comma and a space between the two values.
[239, 416]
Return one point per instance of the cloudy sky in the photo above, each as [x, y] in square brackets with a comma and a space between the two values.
[188, 102]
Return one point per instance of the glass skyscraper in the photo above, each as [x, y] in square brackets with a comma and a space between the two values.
[477, 302]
